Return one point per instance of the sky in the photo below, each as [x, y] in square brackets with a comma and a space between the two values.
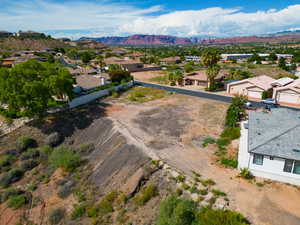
[193, 18]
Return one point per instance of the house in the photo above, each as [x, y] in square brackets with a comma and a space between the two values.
[289, 93]
[5, 34]
[88, 82]
[199, 78]
[192, 58]
[251, 87]
[29, 34]
[226, 57]
[12, 61]
[127, 64]
[270, 145]
[170, 60]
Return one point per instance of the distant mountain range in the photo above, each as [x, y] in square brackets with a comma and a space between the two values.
[138, 39]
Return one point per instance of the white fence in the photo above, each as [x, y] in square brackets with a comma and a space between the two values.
[95, 95]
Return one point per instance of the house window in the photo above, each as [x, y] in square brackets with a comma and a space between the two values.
[258, 159]
[271, 158]
[288, 165]
[296, 169]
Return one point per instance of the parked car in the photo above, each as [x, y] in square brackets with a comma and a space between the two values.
[269, 101]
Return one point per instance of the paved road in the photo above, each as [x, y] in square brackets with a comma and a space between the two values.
[200, 94]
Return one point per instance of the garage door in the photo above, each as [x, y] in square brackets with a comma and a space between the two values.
[254, 94]
[288, 98]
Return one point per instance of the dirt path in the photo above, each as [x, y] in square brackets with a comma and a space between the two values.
[167, 128]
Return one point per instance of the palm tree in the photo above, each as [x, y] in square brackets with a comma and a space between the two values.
[210, 59]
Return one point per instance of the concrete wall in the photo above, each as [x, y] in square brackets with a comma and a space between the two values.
[95, 95]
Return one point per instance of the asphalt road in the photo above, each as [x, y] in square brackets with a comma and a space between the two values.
[200, 94]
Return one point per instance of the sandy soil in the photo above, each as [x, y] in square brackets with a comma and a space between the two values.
[146, 75]
[171, 129]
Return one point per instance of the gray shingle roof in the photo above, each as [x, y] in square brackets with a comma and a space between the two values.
[276, 133]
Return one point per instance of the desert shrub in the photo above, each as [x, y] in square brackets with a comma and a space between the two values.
[245, 173]
[6, 161]
[231, 133]
[178, 192]
[56, 215]
[64, 157]
[10, 192]
[12, 176]
[203, 192]
[78, 211]
[208, 140]
[176, 211]
[32, 187]
[236, 111]
[65, 190]
[29, 165]
[181, 211]
[53, 139]
[17, 201]
[105, 207]
[25, 142]
[194, 189]
[223, 142]
[112, 196]
[208, 216]
[217, 192]
[229, 162]
[146, 194]
[180, 179]
[208, 182]
[85, 148]
[30, 154]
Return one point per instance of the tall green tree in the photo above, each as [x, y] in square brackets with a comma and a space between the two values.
[28, 88]
[210, 59]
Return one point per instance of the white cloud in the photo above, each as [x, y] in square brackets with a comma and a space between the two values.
[102, 18]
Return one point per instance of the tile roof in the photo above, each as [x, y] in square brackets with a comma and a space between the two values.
[295, 86]
[264, 82]
[275, 133]
[201, 75]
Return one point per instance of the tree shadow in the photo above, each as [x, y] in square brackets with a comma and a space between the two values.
[66, 123]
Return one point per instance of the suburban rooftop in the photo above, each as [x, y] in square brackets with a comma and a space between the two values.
[275, 133]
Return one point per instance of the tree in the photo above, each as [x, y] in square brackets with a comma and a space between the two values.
[210, 59]
[86, 56]
[119, 75]
[255, 58]
[273, 57]
[282, 63]
[28, 88]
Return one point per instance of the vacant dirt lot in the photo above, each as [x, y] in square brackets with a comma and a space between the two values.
[173, 128]
[147, 75]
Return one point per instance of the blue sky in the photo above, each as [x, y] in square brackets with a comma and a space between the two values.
[76, 18]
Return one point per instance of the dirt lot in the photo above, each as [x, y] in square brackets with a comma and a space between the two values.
[147, 75]
[172, 128]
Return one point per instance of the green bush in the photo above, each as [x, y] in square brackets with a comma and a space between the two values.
[176, 211]
[30, 154]
[208, 182]
[208, 140]
[6, 161]
[217, 192]
[8, 193]
[146, 194]
[245, 173]
[79, 210]
[203, 192]
[25, 142]
[12, 176]
[17, 201]
[229, 162]
[208, 216]
[64, 157]
[180, 179]
[231, 133]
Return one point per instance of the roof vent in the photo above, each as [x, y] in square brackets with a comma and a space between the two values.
[296, 150]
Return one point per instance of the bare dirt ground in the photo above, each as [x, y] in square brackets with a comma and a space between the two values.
[146, 75]
[173, 128]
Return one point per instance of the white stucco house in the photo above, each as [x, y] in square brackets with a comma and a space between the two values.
[289, 93]
[270, 145]
[252, 87]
